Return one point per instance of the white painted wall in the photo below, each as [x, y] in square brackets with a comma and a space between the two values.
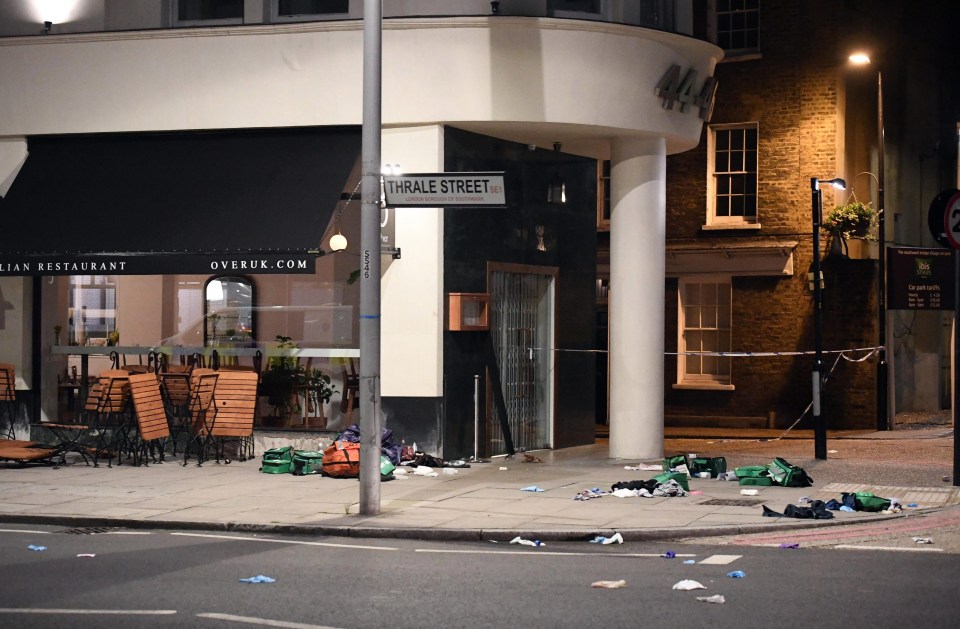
[533, 80]
[411, 361]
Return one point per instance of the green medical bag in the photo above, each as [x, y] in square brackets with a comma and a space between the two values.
[307, 462]
[714, 465]
[680, 477]
[277, 460]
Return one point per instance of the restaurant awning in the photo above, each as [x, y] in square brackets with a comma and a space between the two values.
[255, 201]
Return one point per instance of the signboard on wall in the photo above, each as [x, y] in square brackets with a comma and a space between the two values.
[158, 264]
[920, 279]
[464, 189]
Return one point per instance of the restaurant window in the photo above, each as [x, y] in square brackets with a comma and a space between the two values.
[226, 11]
[732, 175]
[228, 312]
[92, 306]
[735, 26]
[285, 9]
[705, 326]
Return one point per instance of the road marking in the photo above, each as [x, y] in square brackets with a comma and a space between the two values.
[720, 560]
[284, 541]
[897, 548]
[115, 612]
[263, 622]
[129, 533]
[543, 553]
[24, 531]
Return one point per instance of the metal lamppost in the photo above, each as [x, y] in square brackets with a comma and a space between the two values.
[883, 411]
[819, 425]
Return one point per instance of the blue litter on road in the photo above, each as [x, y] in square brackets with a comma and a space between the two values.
[36, 548]
[736, 574]
[669, 554]
[531, 488]
[689, 561]
[913, 505]
[258, 579]
[789, 546]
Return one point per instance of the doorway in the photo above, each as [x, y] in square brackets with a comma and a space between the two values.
[522, 330]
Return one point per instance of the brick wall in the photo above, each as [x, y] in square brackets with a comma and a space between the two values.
[792, 93]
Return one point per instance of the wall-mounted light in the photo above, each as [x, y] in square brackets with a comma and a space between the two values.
[47, 25]
[557, 188]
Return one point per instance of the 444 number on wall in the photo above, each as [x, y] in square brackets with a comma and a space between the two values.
[674, 88]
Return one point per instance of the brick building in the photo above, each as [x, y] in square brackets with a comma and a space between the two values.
[790, 107]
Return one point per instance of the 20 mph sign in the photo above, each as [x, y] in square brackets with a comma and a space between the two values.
[951, 221]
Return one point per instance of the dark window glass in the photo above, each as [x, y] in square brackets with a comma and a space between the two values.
[209, 9]
[311, 7]
[579, 6]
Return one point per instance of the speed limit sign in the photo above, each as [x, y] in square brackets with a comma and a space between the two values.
[951, 221]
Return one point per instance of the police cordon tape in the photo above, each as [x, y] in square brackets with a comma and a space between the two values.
[843, 352]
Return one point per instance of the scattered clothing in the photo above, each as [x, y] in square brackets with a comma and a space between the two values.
[794, 545]
[36, 548]
[532, 488]
[716, 598]
[587, 494]
[816, 511]
[922, 540]
[736, 574]
[526, 542]
[616, 538]
[669, 554]
[644, 467]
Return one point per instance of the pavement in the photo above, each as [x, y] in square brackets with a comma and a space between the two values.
[486, 501]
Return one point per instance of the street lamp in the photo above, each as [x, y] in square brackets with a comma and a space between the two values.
[819, 426]
[883, 421]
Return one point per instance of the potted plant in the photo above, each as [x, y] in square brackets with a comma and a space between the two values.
[284, 380]
[852, 221]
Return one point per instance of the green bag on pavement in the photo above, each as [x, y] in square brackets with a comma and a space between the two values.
[758, 481]
[866, 501]
[673, 461]
[680, 477]
[751, 471]
[277, 460]
[386, 467]
[713, 465]
[307, 462]
[788, 475]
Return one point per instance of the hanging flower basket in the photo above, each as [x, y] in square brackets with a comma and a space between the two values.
[852, 220]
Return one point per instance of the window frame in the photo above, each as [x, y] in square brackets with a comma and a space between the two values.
[713, 220]
[714, 30]
[273, 6]
[177, 22]
[714, 380]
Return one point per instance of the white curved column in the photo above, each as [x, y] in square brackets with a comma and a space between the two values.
[637, 249]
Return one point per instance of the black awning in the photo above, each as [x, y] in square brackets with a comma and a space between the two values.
[245, 201]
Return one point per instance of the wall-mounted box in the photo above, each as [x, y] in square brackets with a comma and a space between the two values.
[468, 312]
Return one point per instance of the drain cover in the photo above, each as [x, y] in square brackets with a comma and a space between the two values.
[733, 502]
[89, 530]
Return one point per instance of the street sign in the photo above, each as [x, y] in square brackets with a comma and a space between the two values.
[936, 216]
[462, 189]
[951, 221]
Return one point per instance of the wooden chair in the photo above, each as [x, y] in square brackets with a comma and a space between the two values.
[202, 411]
[152, 429]
[103, 428]
[175, 390]
[236, 405]
[8, 397]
